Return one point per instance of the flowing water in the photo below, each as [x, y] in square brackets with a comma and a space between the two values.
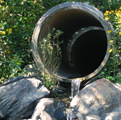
[75, 85]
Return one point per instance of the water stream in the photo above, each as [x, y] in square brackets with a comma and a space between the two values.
[75, 85]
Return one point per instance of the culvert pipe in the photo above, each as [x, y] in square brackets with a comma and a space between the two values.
[86, 46]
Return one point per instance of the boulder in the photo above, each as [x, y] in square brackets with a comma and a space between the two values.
[101, 99]
[18, 97]
[50, 109]
[42, 104]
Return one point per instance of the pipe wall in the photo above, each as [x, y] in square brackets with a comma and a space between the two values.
[90, 51]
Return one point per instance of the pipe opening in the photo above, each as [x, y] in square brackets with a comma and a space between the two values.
[88, 52]
[89, 49]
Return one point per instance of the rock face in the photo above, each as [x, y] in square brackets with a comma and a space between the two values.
[101, 99]
[18, 97]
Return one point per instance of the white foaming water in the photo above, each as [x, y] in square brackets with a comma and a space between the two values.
[75, 85]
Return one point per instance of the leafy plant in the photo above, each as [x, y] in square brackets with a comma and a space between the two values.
[14, 66]
[17, 21]
[110, 5]
[51, 57]
[112, 70]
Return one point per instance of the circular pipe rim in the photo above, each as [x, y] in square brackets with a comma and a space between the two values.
[66, 6]
[76, 35]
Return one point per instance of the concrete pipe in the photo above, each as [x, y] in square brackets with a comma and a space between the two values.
[85, 50]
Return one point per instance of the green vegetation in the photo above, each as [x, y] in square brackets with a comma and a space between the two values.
[113, 68]
[51, 57]
[17, 22]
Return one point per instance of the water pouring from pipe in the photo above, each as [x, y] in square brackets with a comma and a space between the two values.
[75, 86]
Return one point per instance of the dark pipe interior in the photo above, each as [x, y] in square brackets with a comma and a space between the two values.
[93, 44]
[88, 51]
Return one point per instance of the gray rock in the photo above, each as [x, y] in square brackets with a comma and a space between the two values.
[93, 117]
[18, 97]
[101, 98]
[11, 80]
[50, 109]
[3, 112]
[44, 116]
[42, 104]
[55, 107]
[73, 114]
[60, 114]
